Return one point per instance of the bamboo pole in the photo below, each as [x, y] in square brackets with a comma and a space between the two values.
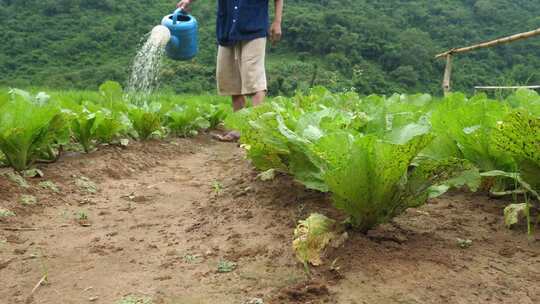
[491, 43]
[447, 74]
[506, 87]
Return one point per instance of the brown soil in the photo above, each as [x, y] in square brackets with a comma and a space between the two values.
[166, 213]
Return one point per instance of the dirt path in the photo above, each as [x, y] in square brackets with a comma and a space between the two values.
[165, 217]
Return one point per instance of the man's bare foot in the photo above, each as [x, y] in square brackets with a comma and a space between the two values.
[231, 136]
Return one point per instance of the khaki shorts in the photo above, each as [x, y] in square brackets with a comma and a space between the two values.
[240, 68]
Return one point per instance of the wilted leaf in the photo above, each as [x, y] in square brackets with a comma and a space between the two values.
[33, 173]
[513, 213]
[267, 175]
[311, 237]
[124, 142]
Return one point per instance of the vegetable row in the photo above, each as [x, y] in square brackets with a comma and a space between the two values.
[37, 127]
[379, 155]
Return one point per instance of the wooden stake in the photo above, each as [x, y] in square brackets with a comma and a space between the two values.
[491, 43]
[447, 75]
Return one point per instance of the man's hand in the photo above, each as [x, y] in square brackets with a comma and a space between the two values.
[275, 29]
[184, 4]
[275, 32]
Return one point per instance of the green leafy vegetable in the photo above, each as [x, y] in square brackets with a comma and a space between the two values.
[146, 119]
[519, 135]
[186, 120]
[464, 129]
[27, 129]
[368, 180]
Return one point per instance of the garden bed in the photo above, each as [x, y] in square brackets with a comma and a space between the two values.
[188, 221]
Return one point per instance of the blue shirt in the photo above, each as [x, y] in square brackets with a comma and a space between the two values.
[241, 20]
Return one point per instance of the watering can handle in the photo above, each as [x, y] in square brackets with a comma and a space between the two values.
[176, 13]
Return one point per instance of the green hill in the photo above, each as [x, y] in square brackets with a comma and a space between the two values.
[372, 46]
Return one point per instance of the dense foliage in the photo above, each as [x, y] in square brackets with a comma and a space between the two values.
[378, 155]
[372, 46]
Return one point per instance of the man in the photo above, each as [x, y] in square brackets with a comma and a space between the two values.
[242, 29]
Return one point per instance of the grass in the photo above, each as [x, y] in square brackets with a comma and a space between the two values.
[192, 258]
[131, 299]
[225, 266]
[218, 187]
[6, 213]
[28, 200]
[82, 216]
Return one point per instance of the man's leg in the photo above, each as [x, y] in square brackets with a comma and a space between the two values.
[258, 98]
[229, 82]
[238, 102]
[252, 70]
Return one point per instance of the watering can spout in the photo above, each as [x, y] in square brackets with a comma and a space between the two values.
[160, 35]
[182, 44]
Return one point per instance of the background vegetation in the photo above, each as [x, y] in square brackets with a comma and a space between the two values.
[369, 45]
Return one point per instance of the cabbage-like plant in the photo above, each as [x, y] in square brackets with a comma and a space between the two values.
[373, 179]
[518, 134]
[464, 129]
[29, 126]
[146, 119]
[186, 120]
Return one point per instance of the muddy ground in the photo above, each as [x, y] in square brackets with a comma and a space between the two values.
[157, 222]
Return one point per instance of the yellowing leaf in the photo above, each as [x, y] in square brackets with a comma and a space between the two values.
[311, 237]
[513, 213]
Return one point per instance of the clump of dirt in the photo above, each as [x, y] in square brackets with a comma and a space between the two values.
[306, 292]
[167, 220]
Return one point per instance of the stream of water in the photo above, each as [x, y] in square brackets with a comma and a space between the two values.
[145, 71]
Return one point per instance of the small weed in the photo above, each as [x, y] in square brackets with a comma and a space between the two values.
[82, 216]
[225, 266]
[254, 301]
[134, 300]
[464, 244]
[85, 184]
[48, 185]
[192, 258]
[218, 187]
[82, 219]
[18, 179]
[28, 200]
[6, 213]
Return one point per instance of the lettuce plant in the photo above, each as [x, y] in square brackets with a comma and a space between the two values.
[146, 119]
[28, 129]
[92, 123]
[518, 134]
[464, 128]
[186, 120]
[372, 180]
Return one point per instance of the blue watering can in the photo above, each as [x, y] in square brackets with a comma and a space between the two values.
[184, 35]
